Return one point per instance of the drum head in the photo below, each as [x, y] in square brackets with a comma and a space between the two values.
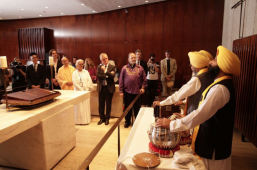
[146, 160]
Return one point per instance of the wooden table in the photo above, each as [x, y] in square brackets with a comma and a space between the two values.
[39, 137]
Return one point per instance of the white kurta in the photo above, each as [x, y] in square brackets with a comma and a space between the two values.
[216, 98]
[82, 82]
[185, 91]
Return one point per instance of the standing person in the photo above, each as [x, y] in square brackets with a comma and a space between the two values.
[168, 71]
[65, 75]
[194, 88]
[82, 82]
[132, 82]
[18, 73]
[55, 68]
[213, 121]
[90, 67]
[152, 79]
[36, 74]
[105, 88]
[74, 61]
[142, 63]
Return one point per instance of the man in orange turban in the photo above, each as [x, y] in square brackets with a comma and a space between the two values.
[215, 114]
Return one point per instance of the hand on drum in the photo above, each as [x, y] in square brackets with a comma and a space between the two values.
[164, 122]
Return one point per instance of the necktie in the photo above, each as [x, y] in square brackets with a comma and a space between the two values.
[104, 81]
[35, 68]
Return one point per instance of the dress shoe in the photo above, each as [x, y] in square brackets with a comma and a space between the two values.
[100, 122]
[126, 125]
[106, 122]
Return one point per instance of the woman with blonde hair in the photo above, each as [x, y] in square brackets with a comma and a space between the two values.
[90, 67]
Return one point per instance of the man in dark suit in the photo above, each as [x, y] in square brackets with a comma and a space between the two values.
[144, 65]
[105, 87]
[36, 74]
[2, 85]
[55, 68]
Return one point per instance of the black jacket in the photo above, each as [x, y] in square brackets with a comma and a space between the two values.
[36, 78]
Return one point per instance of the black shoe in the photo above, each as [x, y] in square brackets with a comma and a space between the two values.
[106, 122]
[126, 125]
[100, 122]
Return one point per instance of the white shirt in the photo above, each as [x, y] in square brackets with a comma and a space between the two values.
[82, 81]
[216, 98]
[192, 86]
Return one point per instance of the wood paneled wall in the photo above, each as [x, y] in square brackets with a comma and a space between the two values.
[180, 26]
[246, 87]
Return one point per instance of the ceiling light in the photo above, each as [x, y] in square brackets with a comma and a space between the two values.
[119, 6]
[93, 11]
[0, 11]
[62, 13]
[146, 1]
[1, 18]
[20, 17]
[40, 15]
[22, 9]
[82, 4]
[46, 7]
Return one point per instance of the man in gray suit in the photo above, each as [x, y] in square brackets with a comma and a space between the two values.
[2, 85]
[168, 71]
[105, 87]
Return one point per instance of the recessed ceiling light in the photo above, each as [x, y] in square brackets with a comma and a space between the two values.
[0, 11]
[46, 7]
[62, 13]
[82, 4]
[1, 18]
[119, 6]
[22, 9]
[93, 11]
[40, 15]
[146, 1]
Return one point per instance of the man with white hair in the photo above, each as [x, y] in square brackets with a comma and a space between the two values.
[106, 87]
[132, 82]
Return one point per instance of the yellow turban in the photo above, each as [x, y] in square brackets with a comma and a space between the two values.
[227, 61]
[198, 60]
[207, 54]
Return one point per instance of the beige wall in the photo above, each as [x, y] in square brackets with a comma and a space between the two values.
[232, 21]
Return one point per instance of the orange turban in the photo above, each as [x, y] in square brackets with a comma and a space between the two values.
[198, 60]
[227, 61]
[207, 54]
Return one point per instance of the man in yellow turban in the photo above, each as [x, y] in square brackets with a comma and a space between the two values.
[215, 114]
[199, 63]
[207, 54]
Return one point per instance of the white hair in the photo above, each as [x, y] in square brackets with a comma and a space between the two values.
[77, 62]
[102, 54]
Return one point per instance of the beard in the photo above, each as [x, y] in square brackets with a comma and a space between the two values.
[213, 71]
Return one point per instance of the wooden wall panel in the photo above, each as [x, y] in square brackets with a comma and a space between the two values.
[175, 25]
[245, 87]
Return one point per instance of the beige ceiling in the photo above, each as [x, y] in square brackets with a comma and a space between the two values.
[12, 9]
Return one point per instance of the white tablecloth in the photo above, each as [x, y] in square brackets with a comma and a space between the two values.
[138, 141]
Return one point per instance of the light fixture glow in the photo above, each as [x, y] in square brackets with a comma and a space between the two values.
[20, 17]
[40, 15]
[62, 13]
[93, 11]
[22, 9]
[82, 4]
[1, 18]
[46, 7]
[0, 11]
[119, 6]
[146, 1]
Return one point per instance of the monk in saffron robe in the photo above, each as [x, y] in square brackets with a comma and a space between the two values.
[65, 75]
